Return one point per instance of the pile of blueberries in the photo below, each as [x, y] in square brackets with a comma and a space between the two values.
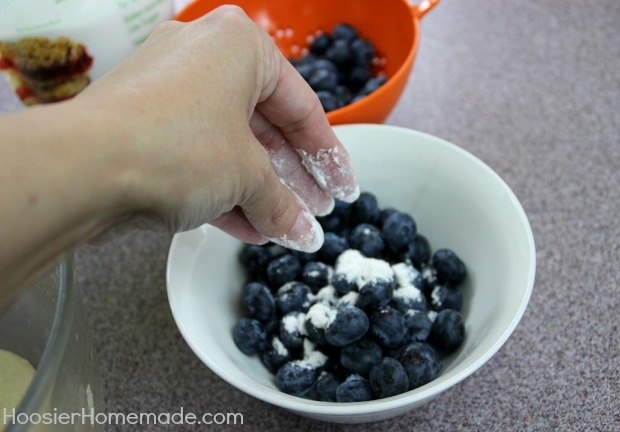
[338, 67]
[376, 343]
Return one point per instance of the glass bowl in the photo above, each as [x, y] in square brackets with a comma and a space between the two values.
[47, 326]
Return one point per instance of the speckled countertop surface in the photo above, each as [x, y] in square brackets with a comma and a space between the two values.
[533, 89]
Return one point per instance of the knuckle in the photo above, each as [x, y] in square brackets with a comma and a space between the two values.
[230, 12]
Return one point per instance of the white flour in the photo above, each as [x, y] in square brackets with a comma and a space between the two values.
[321, 315]
[405, 273]
[295, 323]
[312, 358]
[279, 346]
[349, 299]
[360, 269]
[408, 292]
[327, 294]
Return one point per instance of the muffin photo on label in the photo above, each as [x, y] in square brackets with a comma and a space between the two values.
[43, 70]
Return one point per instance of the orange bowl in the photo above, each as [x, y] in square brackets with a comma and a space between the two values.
[391, 25]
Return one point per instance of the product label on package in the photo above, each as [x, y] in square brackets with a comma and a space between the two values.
[139, 17]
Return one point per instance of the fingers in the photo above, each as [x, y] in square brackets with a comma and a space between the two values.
[236, 224]
[276, 212]
[287, 164]
[288, 103]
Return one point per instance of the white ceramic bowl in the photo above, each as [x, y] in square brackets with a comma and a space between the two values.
[457, 202]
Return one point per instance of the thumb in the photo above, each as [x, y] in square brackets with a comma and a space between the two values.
[276, 212]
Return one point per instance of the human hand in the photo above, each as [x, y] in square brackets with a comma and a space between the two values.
[221, 129]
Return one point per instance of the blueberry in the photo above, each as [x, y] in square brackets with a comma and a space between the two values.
[355, 388]
[365, 210]
[259, 301]
[315, 274]
[449, 266]
[303, 257]
[339, 53]
[333, 246]
[409, 297]
[363, 52]
[343, 94]
[373, 84]
[272, 325]
[307, 59]
[323, 79]
[320, 44]
[418, 325]
[337, 219]
[350, 325]
[283, 269]
[384, 214]
[399, 230]
[387, 326]
[293, 296]
[418, 251]
[341, 209]
[329, 102]
[326, 386]
[296, 378]
[361, 356]
[367, 239]
[323, 63]
[342, 284]
[305, 70]
[254, 259]
[389, 378]
[275, 355]
[330, 223]
[421, 362]
[358, 77]
[358, 96]
[345, 32]
[293, 329]
[446, 297]
[375, 294]
[448, 331]
[319, 316]
[249, 335]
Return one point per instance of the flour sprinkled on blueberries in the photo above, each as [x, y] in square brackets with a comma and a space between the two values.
[369, 315]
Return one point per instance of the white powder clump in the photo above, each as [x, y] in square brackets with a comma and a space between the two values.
[327, 294]
[412, 312]
[405, 273]
[436, 297]
[361, 270]
[349, 299]
[432, 315]
[312, 358]
[295, 322]
[408, 293]
[321, 315]
[279, 346]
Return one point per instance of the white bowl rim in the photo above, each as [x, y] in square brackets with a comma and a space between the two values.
[428, 391]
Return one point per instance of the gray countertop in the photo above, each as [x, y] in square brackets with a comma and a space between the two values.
[533, 89]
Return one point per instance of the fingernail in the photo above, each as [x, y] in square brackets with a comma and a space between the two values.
[351, 196]
[327, 210]
[306, 235]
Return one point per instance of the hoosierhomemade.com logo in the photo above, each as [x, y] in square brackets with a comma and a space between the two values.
[89, 416]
